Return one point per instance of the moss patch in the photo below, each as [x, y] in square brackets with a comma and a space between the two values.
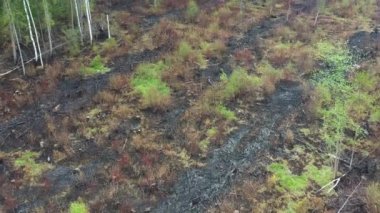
[78, 207]
[147, 82]
[27, 161]
[96, 67]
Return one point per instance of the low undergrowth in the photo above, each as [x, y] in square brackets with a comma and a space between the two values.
[297, 184]
[96, 66]
[345, 99]
[148, 83]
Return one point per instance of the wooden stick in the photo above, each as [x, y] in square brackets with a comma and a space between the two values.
[352, 193]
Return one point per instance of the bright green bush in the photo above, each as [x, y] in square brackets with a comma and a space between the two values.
[294, 184]
[78, 207]
[147, 82]
[320, 176]
[238, 82]
[334, 55]
[226, 113]
[297, 184]
[96, 67]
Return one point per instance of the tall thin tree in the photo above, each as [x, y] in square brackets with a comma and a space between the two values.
[88, 13]
[30, 31]
[35, 32]
[48, 22]
[77, 10]
[13, 31]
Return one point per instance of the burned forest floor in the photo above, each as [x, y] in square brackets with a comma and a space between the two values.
[200, 106]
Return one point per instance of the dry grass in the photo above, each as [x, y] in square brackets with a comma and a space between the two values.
[373, 197]
[289, 136]
[72, 71]
[165, 33]
[118, 82]
[122, 111]
[154, 99]
[106, 97]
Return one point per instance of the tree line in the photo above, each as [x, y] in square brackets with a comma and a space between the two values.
[26, 23]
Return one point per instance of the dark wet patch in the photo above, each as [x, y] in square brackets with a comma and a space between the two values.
[197, 188]
[364, 45]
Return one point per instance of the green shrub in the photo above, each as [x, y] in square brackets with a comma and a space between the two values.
[238, 82]
[226, 113]
[78, 207]
[375, 115]
[96, 67]
[184, 49]
[365, 81]
[73, 42]
[212, 132]
[186, 53]
[27, 161]
[321, 176]
[294, 184]
[334, 55]
[203, 145]
[297, 184]
[192, 9]
[147, 82]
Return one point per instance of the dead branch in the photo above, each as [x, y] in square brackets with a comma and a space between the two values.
[30, 60]
[352, 193]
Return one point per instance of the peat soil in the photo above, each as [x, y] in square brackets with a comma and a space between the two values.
[73, 95]
[196, 189]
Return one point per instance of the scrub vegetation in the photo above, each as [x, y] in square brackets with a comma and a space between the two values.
[189, 106]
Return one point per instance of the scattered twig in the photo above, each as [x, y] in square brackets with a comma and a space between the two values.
[125, 143]
[352, 156]
[352, 193]
[29, 61]
[334, 183]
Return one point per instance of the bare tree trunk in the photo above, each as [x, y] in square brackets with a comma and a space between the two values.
[88, 13]
[79, 22]
[316, 18]
[19, 48]
[30, 31]
[108, 27]
[14, 35]
[48, 25]
[336, 160]
[289, 10]
[36, 33]
[14, 51]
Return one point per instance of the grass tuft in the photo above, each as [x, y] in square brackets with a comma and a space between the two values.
[147, 82]
[96, 67]
[78, 207]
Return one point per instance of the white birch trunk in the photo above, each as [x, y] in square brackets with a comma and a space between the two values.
[78, 18]
[108, 27]
[316, 18]
[88, 13]
[36, 33]
[19, 48]
[30, 32]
